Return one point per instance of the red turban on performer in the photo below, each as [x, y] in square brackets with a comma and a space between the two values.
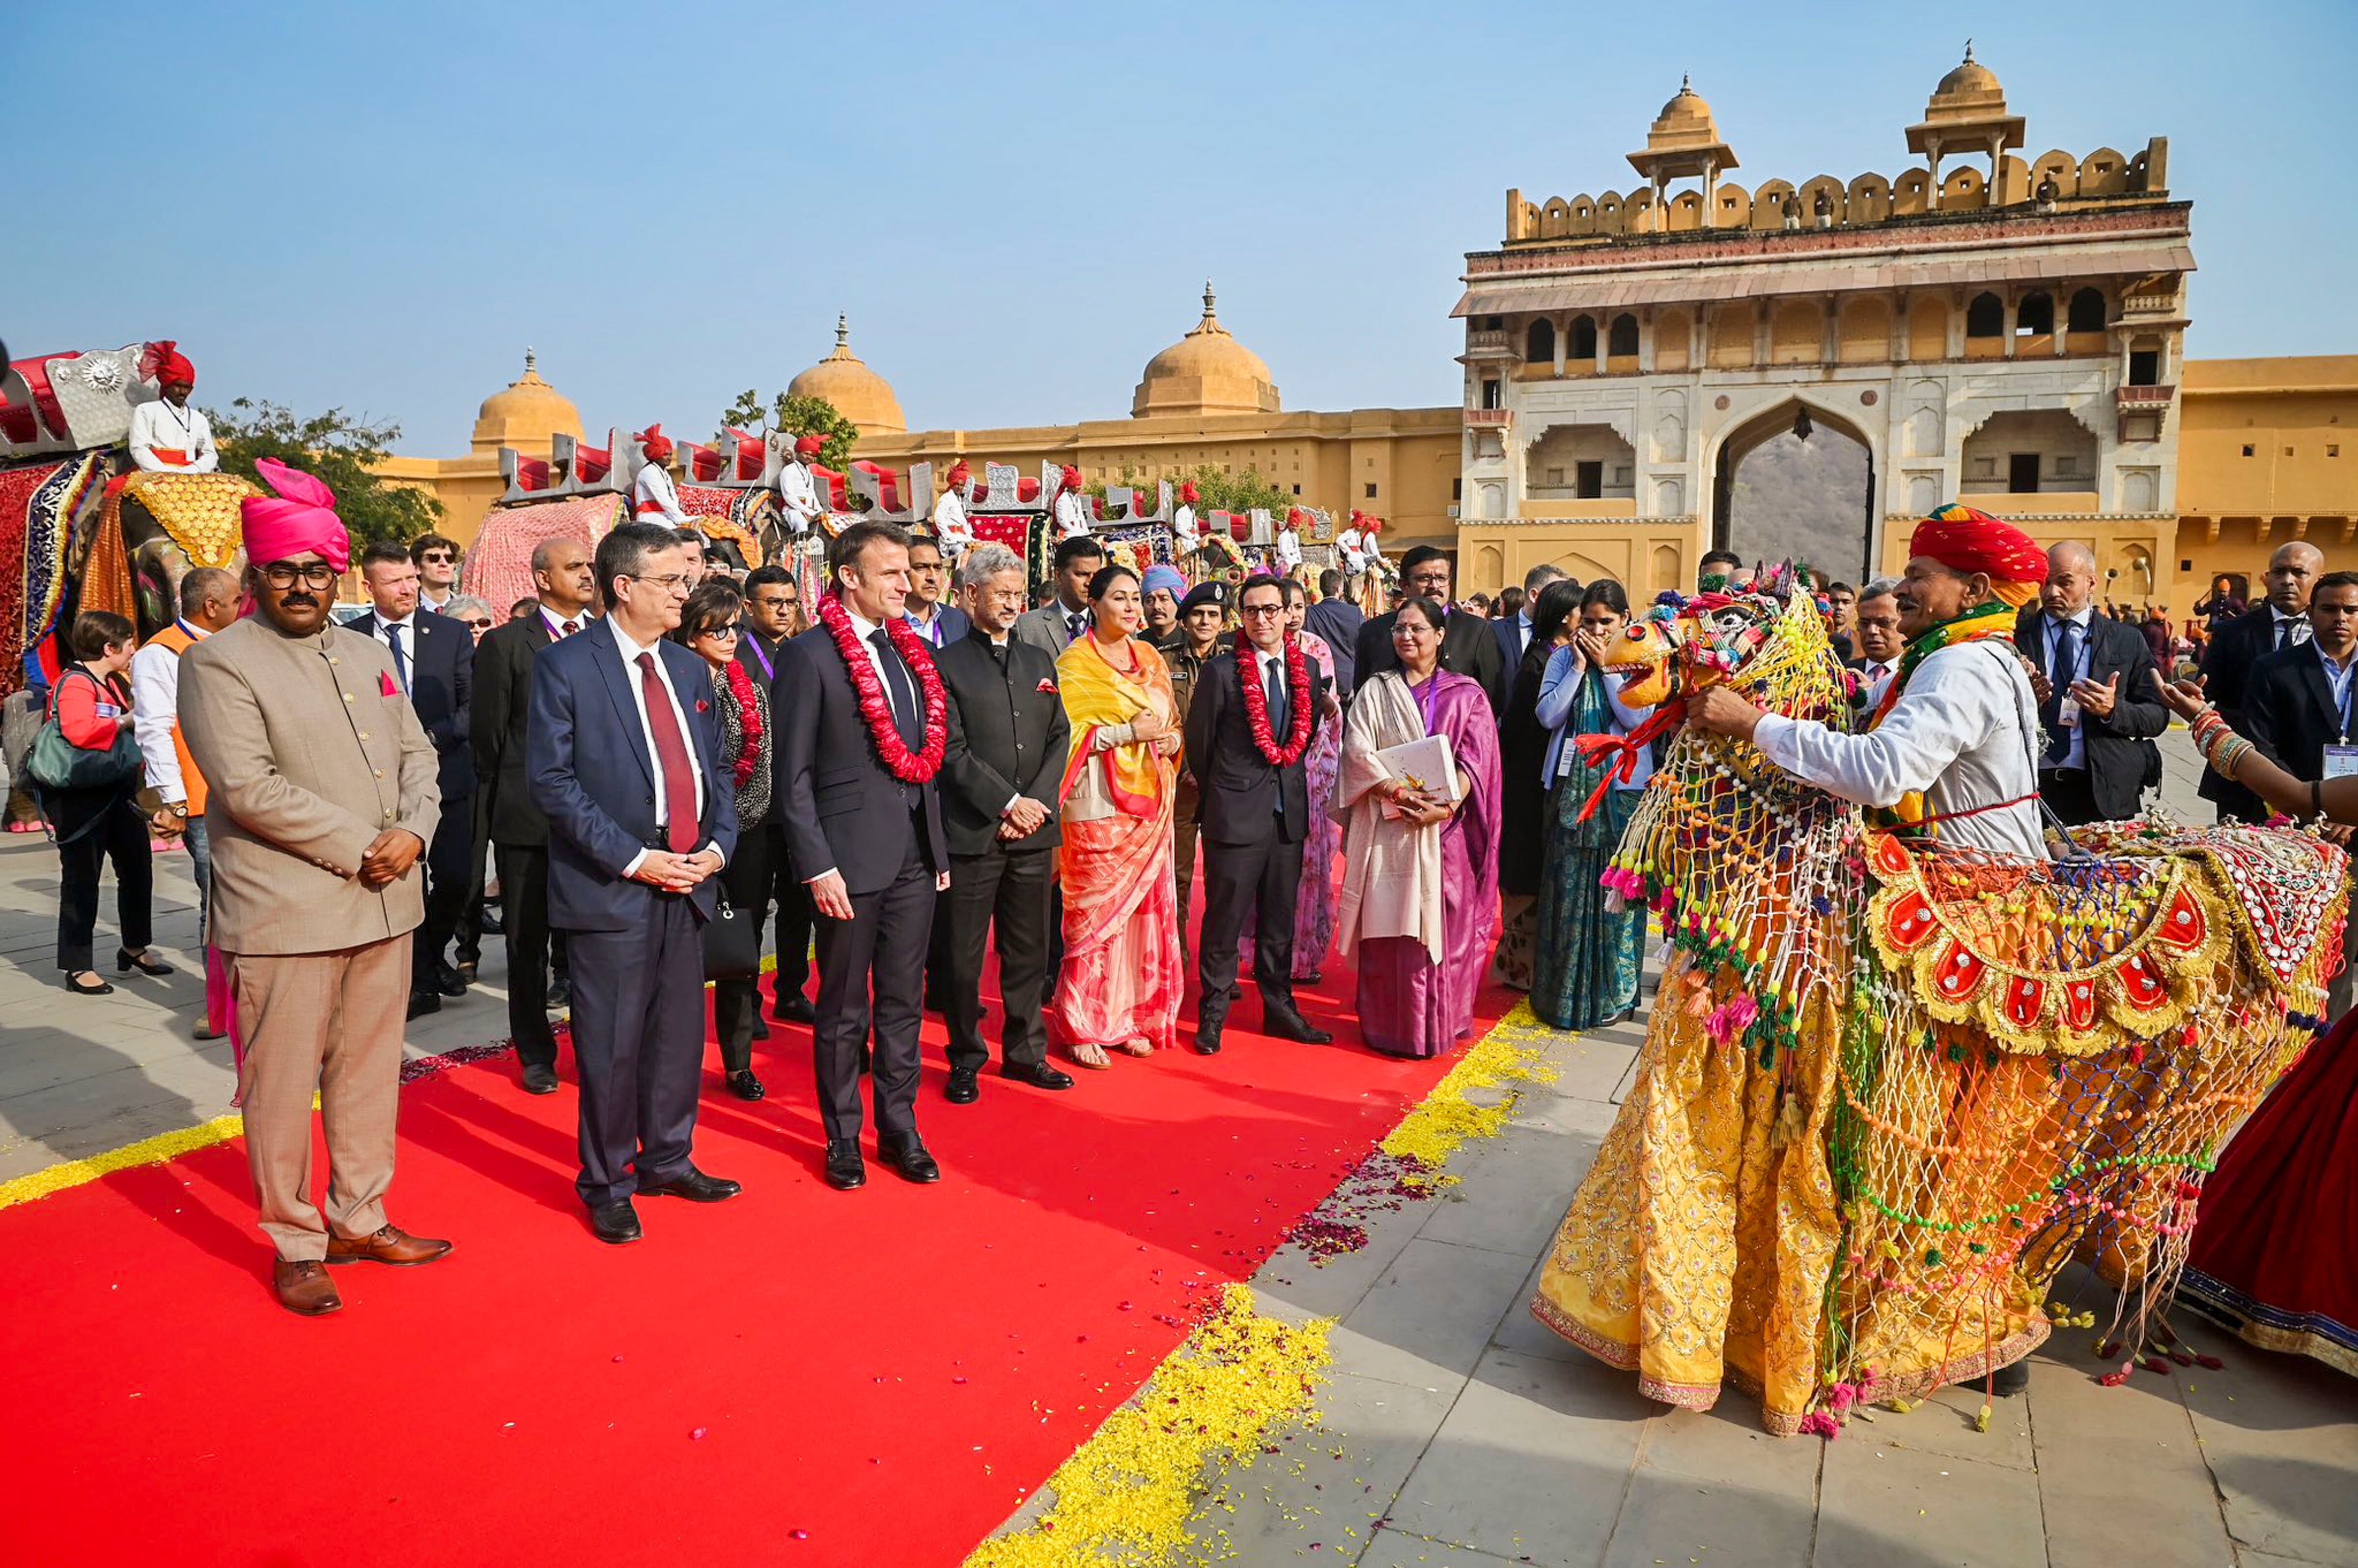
[166, 364]
[655, 443]
[809, 446]
[1188, 493]
[1295, 517]
[1964, 540]
[1071, 478]
[960, 474]
[301, 516]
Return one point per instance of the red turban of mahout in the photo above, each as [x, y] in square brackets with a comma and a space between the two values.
[655, 443]
[1189, 493]
[1071, 478]
[809, 447]
[1967, 541]
[959, 474]
[167, 364]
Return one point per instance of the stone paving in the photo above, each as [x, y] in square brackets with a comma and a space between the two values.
[1456, 1430]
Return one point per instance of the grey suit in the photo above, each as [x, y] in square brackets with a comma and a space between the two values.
[1048, 628]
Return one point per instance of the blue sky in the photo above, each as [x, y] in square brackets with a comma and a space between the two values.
[378, 205]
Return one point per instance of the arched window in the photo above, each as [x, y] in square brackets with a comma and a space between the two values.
[2087, 313]
[2035, 317]
[1583, 345]
[1539, 343]
[1985, 317]
[1623, 336]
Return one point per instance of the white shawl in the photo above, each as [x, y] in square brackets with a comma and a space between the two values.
[1391, 867]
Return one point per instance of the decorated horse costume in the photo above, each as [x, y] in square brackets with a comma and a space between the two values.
[1889, 1089]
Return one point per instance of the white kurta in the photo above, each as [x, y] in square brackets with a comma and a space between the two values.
[157, 424]
[1072, 515]
[1289, 551]
[156, 708]
[950, 526]
[1964, 733]
[1184, 537]
[654, 498]
[1351, 545]
[799, 495]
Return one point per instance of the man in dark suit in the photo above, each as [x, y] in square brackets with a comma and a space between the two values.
[564, 582]
[2301, 711]
[623, 751]
[773, 613]
[1255, 816]
[1338, 620]
[1053, 626]
[2097, 713]
[937, 621]
[1514, 632]
[1880, 643]
[2282, 622]
[1468, 646]
[869, 841]
[1006, 760]
[434, 660]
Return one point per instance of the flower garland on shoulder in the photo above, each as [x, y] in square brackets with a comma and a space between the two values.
[749, 721]
[918, 767]
[1297, 686]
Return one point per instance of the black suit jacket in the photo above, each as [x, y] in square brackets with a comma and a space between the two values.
[1009, 736]
[2289, 712]
[501, 720]
[1340, 621]
[441, 690]
[1238, 790]
[1469, 646]
[2235, 648]
[2121, 756]
[764, 661]
[841, 808]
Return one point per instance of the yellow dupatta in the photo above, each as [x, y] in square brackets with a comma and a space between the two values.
[1096, 695]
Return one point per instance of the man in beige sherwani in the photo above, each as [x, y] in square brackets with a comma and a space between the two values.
[324, 797]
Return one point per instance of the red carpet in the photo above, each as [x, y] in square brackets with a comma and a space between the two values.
[799, 1374]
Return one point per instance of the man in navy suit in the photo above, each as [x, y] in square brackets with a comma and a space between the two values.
[622, 747]
[1514, 632]
[869, 843]
[2236, 648]
[1338, 620]
[434, 659]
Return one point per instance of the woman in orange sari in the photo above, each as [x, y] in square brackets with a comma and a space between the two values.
[1124, 971]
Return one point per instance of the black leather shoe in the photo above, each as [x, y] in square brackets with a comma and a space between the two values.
[469, 972]
[761, 1027]
[560, 993]
[1207, 1037]
[493, 924]
[1284, 1024]
[694, 1186]
[845, 1168]
[615, 1224]
[449, 982]
[1038, 1075]
[793, 1007]
[423, 1003]
[539, 1079]
[964, 1088]
[745, 1085]
[909, 1161]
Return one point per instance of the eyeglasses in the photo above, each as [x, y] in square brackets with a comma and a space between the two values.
[666, 582]
[441, 555]
[1262, 611]
[479, 625]
[314, 574]
[727, 630]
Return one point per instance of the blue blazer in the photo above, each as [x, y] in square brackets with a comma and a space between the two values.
[441, 690]
[587, 758]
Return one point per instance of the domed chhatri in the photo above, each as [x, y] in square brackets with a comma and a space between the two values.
[1685, 112]
[859, 393]
[1971, 82]
[1206, 372]
[526, 415]
[1966, 112]
[1684, 141]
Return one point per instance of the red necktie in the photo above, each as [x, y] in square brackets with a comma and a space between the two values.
[671, 755]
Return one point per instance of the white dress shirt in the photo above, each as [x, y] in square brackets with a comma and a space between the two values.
[157, 424]
[2051, 631]
[561, 626]
[630, 653]
[652, 495]
[1875, 678]
[864, 629]
[425, 600]
[378, 628]
[1072, 515]
[2278, 637]
[951, 529]
[155, 708]
[799, 495]
[1964, 733]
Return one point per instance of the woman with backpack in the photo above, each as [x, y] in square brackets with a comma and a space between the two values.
[92, 804]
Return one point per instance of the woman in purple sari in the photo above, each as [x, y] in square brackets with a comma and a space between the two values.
[1421, 860]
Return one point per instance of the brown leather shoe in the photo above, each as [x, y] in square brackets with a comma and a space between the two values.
[391, 1244]
[304, 1287]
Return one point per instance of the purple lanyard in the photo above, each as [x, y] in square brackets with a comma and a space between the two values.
[769, 672]
[1430, 697]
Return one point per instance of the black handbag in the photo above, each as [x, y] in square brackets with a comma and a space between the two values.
[56, 764]
[732, 942]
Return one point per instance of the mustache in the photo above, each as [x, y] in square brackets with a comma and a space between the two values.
[303, 600]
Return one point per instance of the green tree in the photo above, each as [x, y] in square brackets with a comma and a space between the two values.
[796, 416]
[343, 450]
[1239, 492]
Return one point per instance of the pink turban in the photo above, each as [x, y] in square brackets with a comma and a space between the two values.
[301, 516]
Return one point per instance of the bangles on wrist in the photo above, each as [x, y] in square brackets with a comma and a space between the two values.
[2226, 759]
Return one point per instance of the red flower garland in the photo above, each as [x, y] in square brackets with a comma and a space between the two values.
[918, 768]
[749, 720]
[1297, 685]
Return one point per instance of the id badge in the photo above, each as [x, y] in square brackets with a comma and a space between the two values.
[2067, 714]
[2341, 761]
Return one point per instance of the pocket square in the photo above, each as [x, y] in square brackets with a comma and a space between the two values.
[385, 686]
[1046, 688]
[702, 706]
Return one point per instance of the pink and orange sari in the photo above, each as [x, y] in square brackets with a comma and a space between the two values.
[1124, 970]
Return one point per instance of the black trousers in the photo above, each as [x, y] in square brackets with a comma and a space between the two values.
[2071, 795]
[470, 915]
[1012, 889]
[794, 916]
[102, 826]
[447, 885]
[881, 947]
[746, 879]
[524, 898]
[638, 1039]
[1266, 878]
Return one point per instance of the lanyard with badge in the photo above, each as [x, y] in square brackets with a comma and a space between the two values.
[2067, 711]
[2342, 760]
